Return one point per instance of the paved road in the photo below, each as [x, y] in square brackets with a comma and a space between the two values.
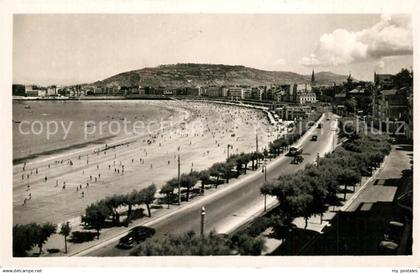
[224, 206]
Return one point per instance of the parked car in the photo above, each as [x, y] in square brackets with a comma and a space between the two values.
[297, 159]
[314, 138]
[135, 236]
[319, 125]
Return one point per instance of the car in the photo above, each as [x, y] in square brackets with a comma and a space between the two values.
[314, 138]
[319, 126]
[135, 235]
[297, 159]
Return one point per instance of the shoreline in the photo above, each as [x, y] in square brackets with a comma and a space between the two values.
[123, 140]
[77, 148]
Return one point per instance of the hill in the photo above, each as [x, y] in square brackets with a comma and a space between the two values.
[185, 75]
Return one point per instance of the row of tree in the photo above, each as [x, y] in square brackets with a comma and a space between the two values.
[191, 244]
[310, 191]
[26, 237]
[236, 164]
[97, 213]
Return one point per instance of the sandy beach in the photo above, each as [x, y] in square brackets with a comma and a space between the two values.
[200, 133]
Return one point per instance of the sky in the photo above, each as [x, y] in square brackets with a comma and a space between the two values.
[67, 49]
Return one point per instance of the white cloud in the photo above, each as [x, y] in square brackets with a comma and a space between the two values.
[391, 36]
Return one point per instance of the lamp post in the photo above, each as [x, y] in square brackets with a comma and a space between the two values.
[203, 215]
[179, 180]
[264, 170]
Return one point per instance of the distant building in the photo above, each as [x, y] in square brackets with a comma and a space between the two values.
[293, 112]
[305, 98]
[236, 92]
[383, 81]
[256, 93]
[213, 91]
[35, 91]
[52, 90]
[247, 93]
[194, 91]
[392, 105]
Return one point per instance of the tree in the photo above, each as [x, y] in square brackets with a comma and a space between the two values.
[204, 177]
[113, 203]
[188, 182]
[147, 196]
[245, 244]
[129, 200]
[348, 177]
[190, 244]
[65, 231]
[404, 78]
[44, 232]
[24, 238]
[216, 169]
[168, 190]
[95, 216]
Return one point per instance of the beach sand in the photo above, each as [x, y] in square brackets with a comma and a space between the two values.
[200, 136]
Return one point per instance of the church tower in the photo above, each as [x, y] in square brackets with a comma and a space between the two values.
[313, 77]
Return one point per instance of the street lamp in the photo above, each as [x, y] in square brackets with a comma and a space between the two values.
[179, 180]
[264, 170]
[203, 215]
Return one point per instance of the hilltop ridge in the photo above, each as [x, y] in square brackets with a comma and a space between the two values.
[193, 74]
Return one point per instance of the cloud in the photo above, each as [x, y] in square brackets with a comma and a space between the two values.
[391, 36]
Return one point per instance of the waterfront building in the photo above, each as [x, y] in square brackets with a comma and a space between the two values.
[236, 92]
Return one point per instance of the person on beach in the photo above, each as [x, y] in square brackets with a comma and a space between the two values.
[46, 178]
[24, 201]
[83, 194]
[64, 185]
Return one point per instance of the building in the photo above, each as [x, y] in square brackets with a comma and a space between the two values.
[213, 91]
[303, 87]
[383, 81]
[256, 93]
[52, 90]
[236, 92]
[247, 93]
[35, 91]
[305, 98]
[392, 105]
[194, 91]
[289, 112]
